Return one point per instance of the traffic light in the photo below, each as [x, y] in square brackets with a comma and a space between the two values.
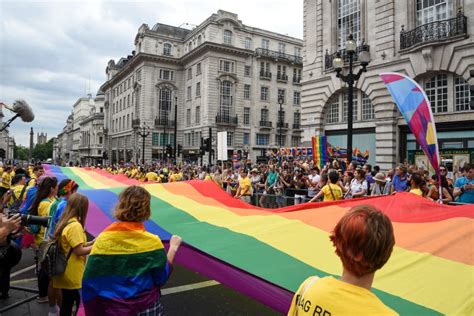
[180, 149]
[169, 150]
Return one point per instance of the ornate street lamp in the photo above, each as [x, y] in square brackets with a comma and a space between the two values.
[350, 78]
[143, 132]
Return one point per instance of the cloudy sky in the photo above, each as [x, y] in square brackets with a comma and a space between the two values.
[52, 51]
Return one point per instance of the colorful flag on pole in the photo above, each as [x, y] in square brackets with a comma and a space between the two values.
[415, 108]
[320, 150]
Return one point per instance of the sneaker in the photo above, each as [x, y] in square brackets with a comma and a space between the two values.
[54, 311]
[42, 300]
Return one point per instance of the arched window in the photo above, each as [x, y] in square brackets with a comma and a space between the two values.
[227, 37]
[164, 105]
[225, 110]
[167, 49]
[337, 107]
[190, 46]
[199, 40]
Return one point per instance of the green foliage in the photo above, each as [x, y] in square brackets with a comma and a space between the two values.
[21, 152]
[43, 151]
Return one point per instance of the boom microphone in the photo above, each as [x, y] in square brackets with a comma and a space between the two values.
[21, 108]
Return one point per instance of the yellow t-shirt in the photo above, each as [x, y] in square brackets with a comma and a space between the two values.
[32, 182]
[43, 210]
[173, 177]
[17, 191]
[245, 186]
[329, 296]
[6, 180]
[336, 190]
[417, 192]
[151, 176]
[72, 236]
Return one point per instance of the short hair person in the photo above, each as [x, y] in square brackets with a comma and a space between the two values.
[364, 241]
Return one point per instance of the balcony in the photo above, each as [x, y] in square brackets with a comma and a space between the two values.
[226, 120]
[136, 123]
[279, 56]
[161, 121]
[265, 124]
[296, 79]
[297, 126]
[328, 58]
[282, 77]
[282, 125]
[265, 75]
[438, 31]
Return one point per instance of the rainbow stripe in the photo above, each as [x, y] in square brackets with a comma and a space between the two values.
[320, 150]
[266, 254]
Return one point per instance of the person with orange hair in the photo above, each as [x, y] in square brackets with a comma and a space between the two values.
[364, 241]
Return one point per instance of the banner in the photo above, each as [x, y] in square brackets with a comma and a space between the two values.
[222, 146]
[320, 150]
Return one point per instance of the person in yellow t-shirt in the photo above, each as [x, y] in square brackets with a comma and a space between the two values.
[38, 171]
[151, 176]
[415, 184]
[244, 191]
[368, 231]
[18, 185]
[6, 180]
[73, 243]
[331, 191]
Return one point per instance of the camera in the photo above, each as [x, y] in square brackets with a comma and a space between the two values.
[27, 219]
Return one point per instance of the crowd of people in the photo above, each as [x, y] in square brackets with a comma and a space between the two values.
[26, 190]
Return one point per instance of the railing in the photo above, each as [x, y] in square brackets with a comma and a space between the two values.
[279, 56]
[328, 58]
[282, 125]
[161, 121]
[434, 32]
[296, 126]
[135, 123]
[265, 74]
[266, 124]
[296, 79]
[282, 77]
[226, 119]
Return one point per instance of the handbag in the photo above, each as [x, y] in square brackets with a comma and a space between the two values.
[308, 284]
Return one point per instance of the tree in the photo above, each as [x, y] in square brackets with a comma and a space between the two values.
[20, 152]
[43, 151]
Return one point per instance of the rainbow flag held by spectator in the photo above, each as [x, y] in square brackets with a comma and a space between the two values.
[320, 150]
[266, 253]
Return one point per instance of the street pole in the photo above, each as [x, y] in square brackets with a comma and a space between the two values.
[210, 146]
[175, 128]
[164, 133]
[350, 109]
[143, 134]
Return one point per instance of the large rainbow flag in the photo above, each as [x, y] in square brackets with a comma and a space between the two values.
[266, 254]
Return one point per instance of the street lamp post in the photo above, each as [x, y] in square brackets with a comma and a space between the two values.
[350, 79]
[145, 131]
[175, 128]
[164, 134]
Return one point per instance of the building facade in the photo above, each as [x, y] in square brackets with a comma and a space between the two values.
[430, 41]
[42, 138]
[179, 85]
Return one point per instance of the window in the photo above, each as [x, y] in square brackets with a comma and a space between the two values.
[264, 115]
[281, 72]
[128, 121]
[282, 95]
[188, 94]
[437, 91]
[264, 67]
[280, 140]
[167, 49]
[296, 75]
[164, 106]
[226, 66]
[295, 141]
[345, 105]
[188, 117]
[246, 116]
[248, 43]
[198, 89]
[166, 74]
[265, 43]
[296, 98]
[247, 71]
[227, 37]
[190, 46]
[263, 139]
[198, 115]
[462, 95]
[100, 140]
[367, 108]
[264, 93]
[247, 92]
[281, 48]
[281, 117]
[155, 139]
[348, 21]
[297, 118]
[246, 138]
[332, 111]
[230, 139]
[225, 109]
[428, 11]
[198, 69]
[297, 52]
[190, 73]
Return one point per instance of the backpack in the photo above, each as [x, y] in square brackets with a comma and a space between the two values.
[51, 258]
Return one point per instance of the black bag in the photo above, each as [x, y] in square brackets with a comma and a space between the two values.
[51, 258]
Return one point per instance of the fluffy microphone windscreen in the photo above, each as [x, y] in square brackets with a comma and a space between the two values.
[24, 110]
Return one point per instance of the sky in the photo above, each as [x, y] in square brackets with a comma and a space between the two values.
[54, 52]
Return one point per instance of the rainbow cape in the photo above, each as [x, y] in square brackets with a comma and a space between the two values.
[123, 271]
[266, 254]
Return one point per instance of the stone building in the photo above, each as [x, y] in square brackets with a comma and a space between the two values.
[7, 143]
[430, 41]
[42, 138]
[222, 75]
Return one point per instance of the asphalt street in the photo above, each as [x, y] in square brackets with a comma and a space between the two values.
[186, 293]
